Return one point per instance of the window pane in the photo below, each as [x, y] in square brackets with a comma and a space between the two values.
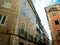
[54, 14]
[58, 33]
[0, 17]
[3, 20]
[56, 22]
[23, 9]
[51, 10]
[22, 32]
[30, 15]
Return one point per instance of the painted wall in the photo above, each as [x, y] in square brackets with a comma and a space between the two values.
[52, 16]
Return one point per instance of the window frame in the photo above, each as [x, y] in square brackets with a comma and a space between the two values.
[52, 9]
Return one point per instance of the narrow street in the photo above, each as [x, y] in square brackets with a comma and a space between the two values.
[30, 22]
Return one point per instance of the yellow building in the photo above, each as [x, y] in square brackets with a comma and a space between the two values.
[53, 16]
[18, 23]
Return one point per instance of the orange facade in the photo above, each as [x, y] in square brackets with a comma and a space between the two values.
[53, 16]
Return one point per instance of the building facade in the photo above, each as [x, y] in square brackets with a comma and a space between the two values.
[18, 23]
[9, 10]
[53, 16]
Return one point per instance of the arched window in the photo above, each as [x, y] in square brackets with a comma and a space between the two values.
[52, 9]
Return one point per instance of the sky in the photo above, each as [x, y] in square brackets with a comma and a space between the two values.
[39, 6]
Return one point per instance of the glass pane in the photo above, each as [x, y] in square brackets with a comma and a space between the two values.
[22, 32]
[52, 9]
[3, 20]
[24, 4]
[23, 9]
[56, 22]
[54, 14]
[30, 15]
[58, 33]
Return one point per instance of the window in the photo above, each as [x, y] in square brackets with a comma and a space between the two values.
[54, 14]
[30, 15]
[23, 9]
[56, 22]
[22, 30]
[29, 38]
[26, 35]
[24, 4]
[2, 19]
[58, 31]
[7, 4]
[52, 9]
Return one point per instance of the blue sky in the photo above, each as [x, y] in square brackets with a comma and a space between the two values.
[40, 5]
[58, 1]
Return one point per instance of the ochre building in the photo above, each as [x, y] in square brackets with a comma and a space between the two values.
[53, 16]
